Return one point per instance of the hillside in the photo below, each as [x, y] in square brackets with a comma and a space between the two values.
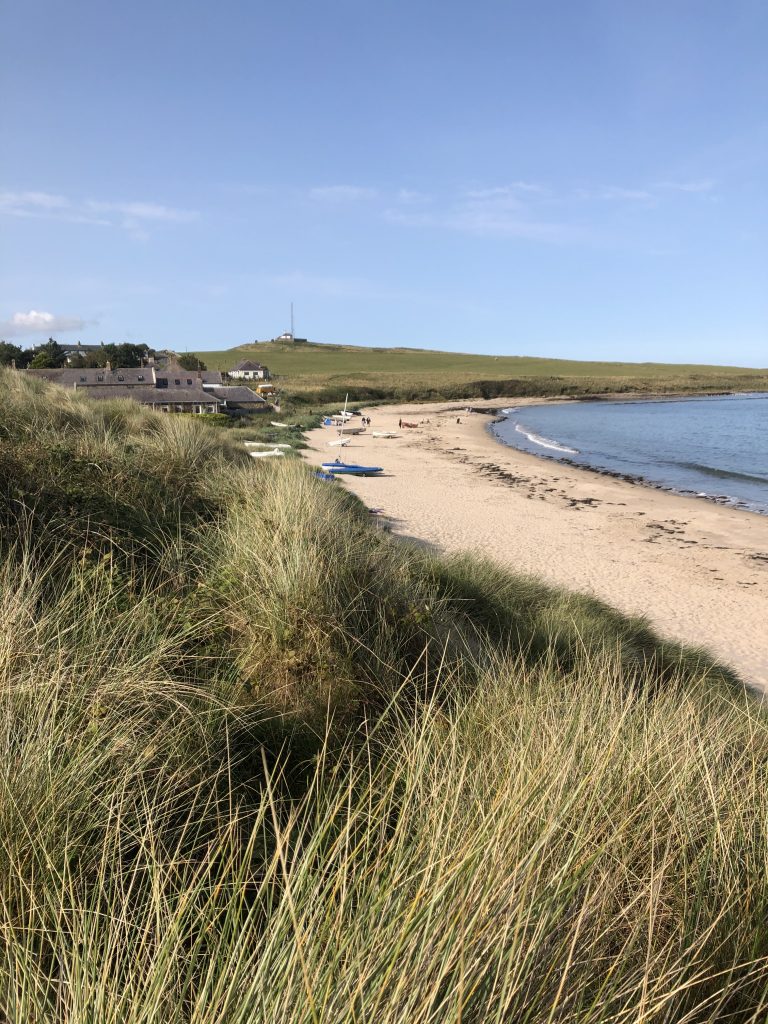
[317, 372]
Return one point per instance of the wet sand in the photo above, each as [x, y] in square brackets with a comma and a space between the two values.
[697, 570]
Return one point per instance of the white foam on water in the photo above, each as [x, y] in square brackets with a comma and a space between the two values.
[544, 442]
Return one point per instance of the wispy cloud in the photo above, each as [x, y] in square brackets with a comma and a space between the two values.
[133, 216]
[512, 189]
[499, 211]
[38, 322]
[143, 211]
[702, 185]
[616, 192]
[343, 193]
[651, 193]
[409, 196]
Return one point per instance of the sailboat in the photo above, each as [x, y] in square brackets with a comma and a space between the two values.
[342, 441]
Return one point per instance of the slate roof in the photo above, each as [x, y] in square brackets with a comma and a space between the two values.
[155, 396]
[86, 378]
[231, 393]
[248, 364]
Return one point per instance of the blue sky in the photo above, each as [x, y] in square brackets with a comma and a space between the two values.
[576, 178]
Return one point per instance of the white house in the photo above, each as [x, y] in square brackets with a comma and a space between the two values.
[249, 370]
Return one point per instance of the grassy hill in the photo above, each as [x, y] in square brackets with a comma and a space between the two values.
[314, 372]
[264, 763]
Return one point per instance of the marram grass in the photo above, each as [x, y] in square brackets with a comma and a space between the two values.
[263, 764]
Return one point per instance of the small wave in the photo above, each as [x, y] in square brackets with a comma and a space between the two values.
[544, 442]
[723, 474]
[506, 412]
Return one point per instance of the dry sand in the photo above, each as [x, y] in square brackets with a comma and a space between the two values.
[697, 570]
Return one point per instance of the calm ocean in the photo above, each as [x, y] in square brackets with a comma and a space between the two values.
[715, 447]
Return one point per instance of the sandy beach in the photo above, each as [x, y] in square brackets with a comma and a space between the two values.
[697, 570]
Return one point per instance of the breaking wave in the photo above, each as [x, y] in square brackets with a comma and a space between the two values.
[544, 442]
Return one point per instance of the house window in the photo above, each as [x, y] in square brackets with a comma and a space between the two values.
[162, 382]
[189, 380]
[120, 376]
[177, 381]
[82, 380]
[100, 376]
[140, 376]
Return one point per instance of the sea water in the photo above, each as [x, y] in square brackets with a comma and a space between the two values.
[714, 447]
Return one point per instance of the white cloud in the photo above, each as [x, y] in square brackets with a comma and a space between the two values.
[343, 193]
[38, 322]
[409, 195]
[128, 215]
[30, 201]
[617, 192]
[702, 185]
[505, 211]
[144, 211]
[511, 190]
[502, 219]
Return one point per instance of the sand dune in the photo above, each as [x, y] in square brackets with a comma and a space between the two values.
[697, 570]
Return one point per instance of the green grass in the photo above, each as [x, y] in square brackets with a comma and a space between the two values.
[263, 763]
[312, 373]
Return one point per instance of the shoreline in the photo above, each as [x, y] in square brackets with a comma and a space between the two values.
[723, 500]
[698, 570]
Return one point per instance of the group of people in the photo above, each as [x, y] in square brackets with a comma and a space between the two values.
[366, 421]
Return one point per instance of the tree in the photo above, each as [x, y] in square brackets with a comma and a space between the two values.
[189, 361]
[49, 356]
[13, 353]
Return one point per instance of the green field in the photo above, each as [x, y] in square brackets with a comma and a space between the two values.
[313, 372]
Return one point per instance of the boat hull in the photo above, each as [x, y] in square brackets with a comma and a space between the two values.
[350, 469]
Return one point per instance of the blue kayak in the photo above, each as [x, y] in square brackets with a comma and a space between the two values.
[350, 469]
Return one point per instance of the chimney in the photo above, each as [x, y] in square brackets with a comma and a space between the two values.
[108, 367]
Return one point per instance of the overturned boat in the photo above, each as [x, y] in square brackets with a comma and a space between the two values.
[339, 468]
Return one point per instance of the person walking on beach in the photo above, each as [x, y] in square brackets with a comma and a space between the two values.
[400, 424]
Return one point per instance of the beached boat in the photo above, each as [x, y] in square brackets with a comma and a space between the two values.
[341, 443]
[285, 426]
[384, 433]
[350, 469]
[265, 444]
[266, 455]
